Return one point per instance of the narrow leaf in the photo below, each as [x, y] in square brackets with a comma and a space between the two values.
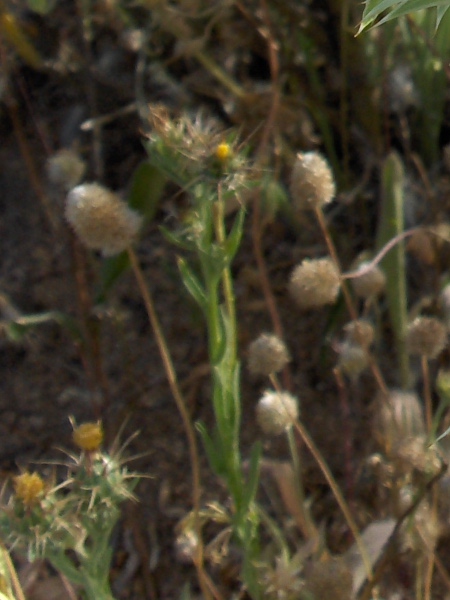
[146, 189]
[234, 238]
[192, 284]
[391, 224]
[111, 270]
[251, 486]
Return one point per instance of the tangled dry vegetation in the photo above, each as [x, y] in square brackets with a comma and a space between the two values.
[191, 186]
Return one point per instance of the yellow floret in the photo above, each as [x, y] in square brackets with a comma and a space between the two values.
[223, 152]
[88, 436]
[29, 488]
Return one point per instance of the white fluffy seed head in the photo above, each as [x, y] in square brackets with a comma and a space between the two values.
[66, 168]
[101, 219]
[267, 354]
[312, 181]
[276, 412]
[397, 417]
[314, 283]
[369, 284]
[353, 359]
[426, 336]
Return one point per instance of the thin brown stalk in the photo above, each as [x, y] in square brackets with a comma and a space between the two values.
[348, 298]
[309, 443]
[257, 224]
[205, 584]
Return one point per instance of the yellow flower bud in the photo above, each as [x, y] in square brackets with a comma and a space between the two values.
[29, 487]
[88, 436]
[223, 152]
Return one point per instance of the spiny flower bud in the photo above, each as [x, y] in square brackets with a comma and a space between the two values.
[276, 412]
[314, 283]
[360, 332]
[65, 168]
[88, 436]
[100, 218]
[397, 417]
[369, 284]
[267, 354]
[312, 182]
[29, 487]
[426, 336]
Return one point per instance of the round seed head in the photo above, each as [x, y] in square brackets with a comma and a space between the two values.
[267, 354]
[353, 359]
[66, 169]
[29, 487]
[397, 417]
[360, 332]
[415, 454]
[422, 533]
[312, 182]
[276, 412]
[369, 284]
[314, 283]
[88, 436]
[426, 336]
[100, 218]
[186, 547]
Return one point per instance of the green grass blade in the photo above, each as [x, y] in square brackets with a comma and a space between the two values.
[391, 224]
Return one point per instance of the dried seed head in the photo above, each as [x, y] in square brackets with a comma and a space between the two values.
[426, 336]
[267, 354]
[186, 547]
[283, 579]
[312, 182]
[29, 488]
[353, 359]
[369, 284]
[88, 436]
[276, 412]
[421, 532]
[360, 332]
[414, 454]
[397, 417]
[331, 575]
[314, 283]
[66, 169]
[100, 218]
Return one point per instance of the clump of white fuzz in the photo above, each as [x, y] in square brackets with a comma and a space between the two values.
[66, 168]
[314, 283]
[312, 181]
[101, 219]
[276, 412]
[267, 354]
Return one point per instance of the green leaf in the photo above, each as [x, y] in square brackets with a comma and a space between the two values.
[213, 451]
[112, 268]
[251, 487]
[375, 8]
[146, 190]
[18, 328]
[42, 7]
[235, 236]
[192, 284]
[6, 587]
[390, 225]
[175, 239]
